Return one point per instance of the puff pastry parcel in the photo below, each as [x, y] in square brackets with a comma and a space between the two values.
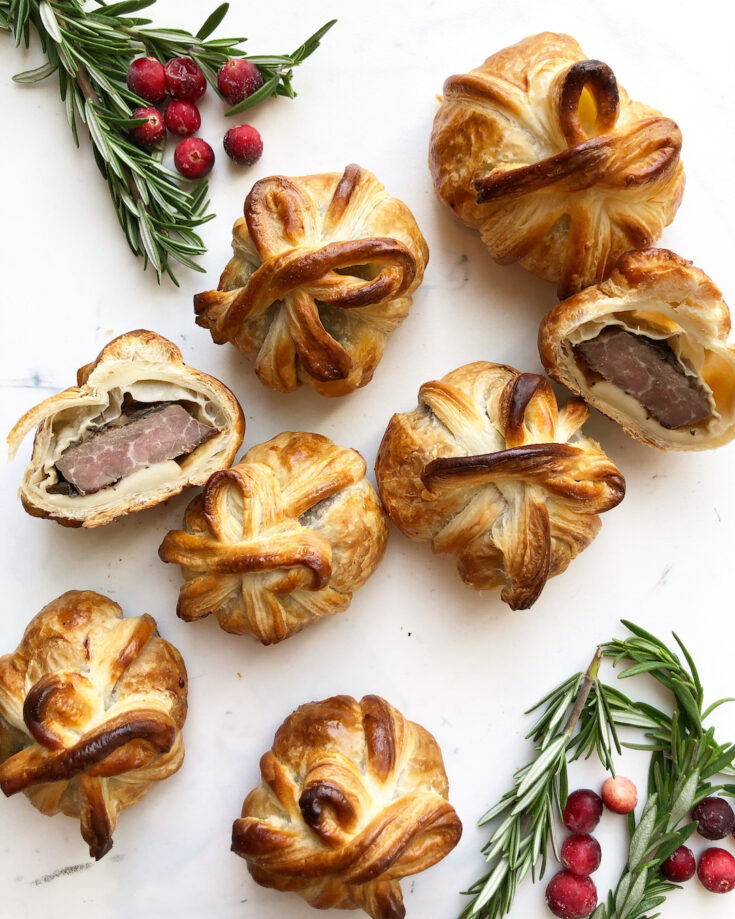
[279, 540]
[138, 427]
[353, 798]
[489, 470]
[549, 158]
[91, 710]
[648, 347]
[323, 270]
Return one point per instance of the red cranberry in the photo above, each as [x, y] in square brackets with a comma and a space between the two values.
[237, 79]
[184, 79]
[581, 854]
[619, 794]
[153, 130]
[583, 811]
[570, 896]
[147, 79]
[680, 865]
[716, 870]
[716, 818]
[193, 157]
[244, 145]
[182, 118]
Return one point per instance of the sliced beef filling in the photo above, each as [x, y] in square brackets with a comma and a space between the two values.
[649, 371]
[142, 436]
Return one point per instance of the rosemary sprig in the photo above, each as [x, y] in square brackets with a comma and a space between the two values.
[91, 50]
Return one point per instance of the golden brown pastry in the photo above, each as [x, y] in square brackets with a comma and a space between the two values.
[549, 158]
[490, 471]
[91, 710]
[648, 347]
[323, 270]
[279, 540]
[353, 798]
[138, 427]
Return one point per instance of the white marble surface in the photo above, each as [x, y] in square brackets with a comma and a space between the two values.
[458, 662]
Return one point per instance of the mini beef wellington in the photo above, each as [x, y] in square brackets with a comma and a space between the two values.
[138, 427]
[353, 798]
[648, 348]
[549, 158]
[279, 540]
[91, 711]
[324, 268]
[490, 471]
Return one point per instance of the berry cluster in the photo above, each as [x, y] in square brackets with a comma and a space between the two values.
[716, 869]
[182, 82]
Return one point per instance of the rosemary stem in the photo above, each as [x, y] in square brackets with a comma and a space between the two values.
[579, 703]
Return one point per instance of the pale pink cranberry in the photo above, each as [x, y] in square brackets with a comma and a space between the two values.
[619, 794]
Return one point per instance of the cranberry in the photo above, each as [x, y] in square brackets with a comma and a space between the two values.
[147, 79]
[583, 811]
[193, 157]
[619, 794]
[237, 79]
[716, 818]
[716, 870]
[570, 896]
[153, 130]
[581, 854]
[184, 79]
[244, 145]
[680, 865]
[182, 118]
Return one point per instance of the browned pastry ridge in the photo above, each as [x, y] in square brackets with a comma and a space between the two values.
[656, 332]
[549, 158]
[489, 470]
[281, 539]
[324, 268]
[91, 710]
[353, 798]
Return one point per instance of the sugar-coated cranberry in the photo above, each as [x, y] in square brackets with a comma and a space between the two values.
[237, 79]
[182, 117]
[184, 79]
[716, 870]
[619, 794]
[193, 157]
[583, 811]
[570, 896]
[716, 818]
[153, 130]
[244, 145]
[680, 865]
[581, 854]
[147, 79]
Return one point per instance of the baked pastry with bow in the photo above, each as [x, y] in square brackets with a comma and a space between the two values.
[489, 470]
[353, 798]
[91, 711]
[648, 348]
[138, 427]
[324, 268]
[281, 539]
[549, 158]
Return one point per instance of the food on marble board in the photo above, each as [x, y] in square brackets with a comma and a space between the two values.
[92, 706]
[549, 158]
[490, 471]
[353, 798]
[139, 427]
[648, 348]
[324, 268]
[281, 540]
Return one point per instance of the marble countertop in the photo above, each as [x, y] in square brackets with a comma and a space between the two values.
[458, 662]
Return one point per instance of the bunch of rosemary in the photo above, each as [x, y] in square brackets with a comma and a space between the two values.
[91, 49]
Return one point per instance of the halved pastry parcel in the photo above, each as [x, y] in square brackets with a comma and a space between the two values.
[648, 348]
[138, 427]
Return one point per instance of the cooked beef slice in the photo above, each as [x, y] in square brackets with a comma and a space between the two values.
[160, 434]
[649, 371]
